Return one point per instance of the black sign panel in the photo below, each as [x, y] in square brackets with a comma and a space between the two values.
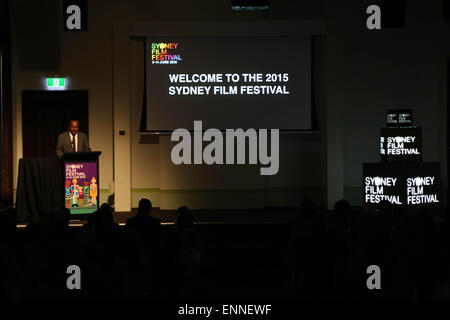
[75, 15]
[410, 184]
[401, 145]
[399, 118]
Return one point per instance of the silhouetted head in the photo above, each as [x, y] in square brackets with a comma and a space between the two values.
[105, 214]
[111, 200]
[341, 207]
[308, 208]
[145, 206]
[184, 219]
[73, 127]
[341, 215]
[59, 220]
[105, 208]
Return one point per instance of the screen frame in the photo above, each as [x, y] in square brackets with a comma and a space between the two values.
[288, 28]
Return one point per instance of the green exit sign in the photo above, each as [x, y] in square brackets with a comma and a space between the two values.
[56, 82]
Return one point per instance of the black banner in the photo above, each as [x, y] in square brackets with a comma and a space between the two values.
[410, 184]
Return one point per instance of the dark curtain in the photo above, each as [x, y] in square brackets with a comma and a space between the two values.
[40, 190]
[45, 114]
[448, 126]
[6, 181]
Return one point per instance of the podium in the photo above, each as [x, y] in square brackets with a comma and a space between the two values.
[81, 181]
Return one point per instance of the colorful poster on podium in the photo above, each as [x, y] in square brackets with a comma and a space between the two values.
[81, 187]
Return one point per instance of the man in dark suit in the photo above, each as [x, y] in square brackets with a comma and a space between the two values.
[72, 140]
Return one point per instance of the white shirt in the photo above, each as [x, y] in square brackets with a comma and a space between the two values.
[76, 140]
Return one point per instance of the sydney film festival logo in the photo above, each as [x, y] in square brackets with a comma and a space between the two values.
[165, 53]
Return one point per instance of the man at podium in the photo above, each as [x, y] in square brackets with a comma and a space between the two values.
[72, 140]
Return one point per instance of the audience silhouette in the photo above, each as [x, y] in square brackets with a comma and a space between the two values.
[327, 254]
[148, 227]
